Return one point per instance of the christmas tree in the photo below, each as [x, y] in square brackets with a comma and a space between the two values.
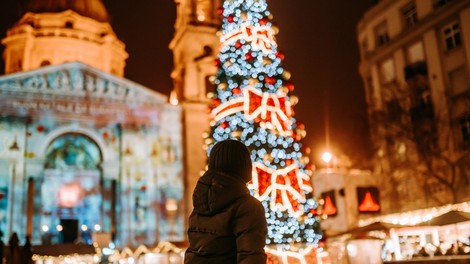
[252, 103]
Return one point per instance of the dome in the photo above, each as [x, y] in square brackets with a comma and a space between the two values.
[94, 9]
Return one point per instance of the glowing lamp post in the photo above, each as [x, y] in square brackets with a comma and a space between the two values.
[326, 157]
[330, 160]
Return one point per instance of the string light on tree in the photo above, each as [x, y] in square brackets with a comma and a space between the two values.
[252, 102]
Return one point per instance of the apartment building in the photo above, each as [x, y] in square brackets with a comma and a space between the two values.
[415, 68]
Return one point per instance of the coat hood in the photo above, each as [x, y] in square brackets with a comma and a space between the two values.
[231, 157]
[215, 190]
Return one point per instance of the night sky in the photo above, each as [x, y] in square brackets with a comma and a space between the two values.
[317, 37]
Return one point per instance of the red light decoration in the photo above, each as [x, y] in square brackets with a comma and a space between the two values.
[231, 18]
[368, 200]
[224, 124]
[248, 56]
[290, 86]
[263, 21]
[270, 80]
[215, 102]
[280, 55]
[237, 91]
[314, 212]
[306, 150]
[260, 37]
[274, 110]
[368, 204]
[329, 207]
[220, 11]
[238, 45]
[309, 166]
[285, 186]
[40, 128]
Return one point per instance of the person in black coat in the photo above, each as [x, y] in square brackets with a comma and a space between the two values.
[227, 224]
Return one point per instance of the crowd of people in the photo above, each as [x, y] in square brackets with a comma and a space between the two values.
[13, 253]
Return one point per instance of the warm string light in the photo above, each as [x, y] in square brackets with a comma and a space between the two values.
[309, 254]
[252, 102]
[416, 216]
[126, 255]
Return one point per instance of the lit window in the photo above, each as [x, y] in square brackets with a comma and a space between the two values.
[68, 24]
[452, 37]
[415, 53]
[465, 128]
[388, 71]
[204, 9]
[45, 63]
[381, 34]
[410, 16]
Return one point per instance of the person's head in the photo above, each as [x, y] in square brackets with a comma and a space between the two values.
[231, 157]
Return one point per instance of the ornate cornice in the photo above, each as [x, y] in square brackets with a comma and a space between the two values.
[78, 81]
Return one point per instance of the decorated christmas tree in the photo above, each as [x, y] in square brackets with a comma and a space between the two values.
[252, 102]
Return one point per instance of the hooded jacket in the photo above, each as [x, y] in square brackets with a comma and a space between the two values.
[227, 224]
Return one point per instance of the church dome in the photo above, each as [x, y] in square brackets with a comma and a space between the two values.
[94, 9]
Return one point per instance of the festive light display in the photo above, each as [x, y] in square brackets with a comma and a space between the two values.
[368, 199]
[252, 103]
[416, 216]
[368, 204]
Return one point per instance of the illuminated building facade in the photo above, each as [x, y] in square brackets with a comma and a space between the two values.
[348, 196]
[82, 149]
[415, 68]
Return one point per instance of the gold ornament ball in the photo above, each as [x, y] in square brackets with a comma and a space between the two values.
[275, 30]
[236, 134]
[283, 89]
[293, 99]
[253, 81]
[286, 75]
[222, 86]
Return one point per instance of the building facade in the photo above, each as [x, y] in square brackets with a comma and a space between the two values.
[415, 68]
[82, 149]
[348, 196]
[195, 47]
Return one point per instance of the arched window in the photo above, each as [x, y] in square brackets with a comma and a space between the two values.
[69, 24]
[73, 151]
[45, 63]
[205, 11]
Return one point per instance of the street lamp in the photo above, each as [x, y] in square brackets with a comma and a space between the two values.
[326, 157]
